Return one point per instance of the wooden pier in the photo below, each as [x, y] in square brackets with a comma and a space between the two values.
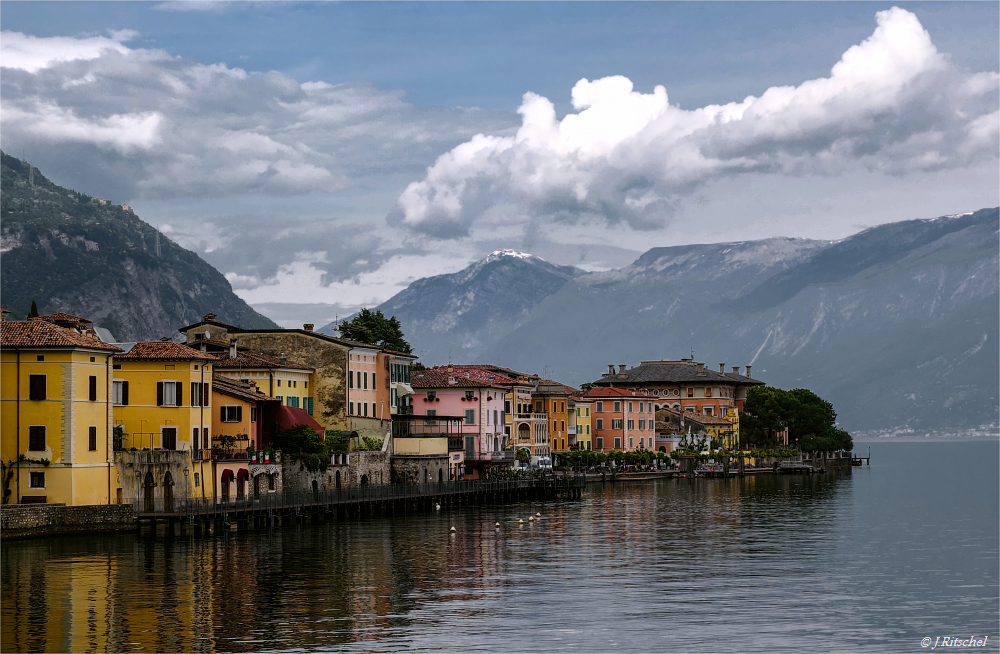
[269, 510]
[856, 460]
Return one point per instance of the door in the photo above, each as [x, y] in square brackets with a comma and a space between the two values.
[168, 493]
[149, 504]
[470, 447]
[169, 438]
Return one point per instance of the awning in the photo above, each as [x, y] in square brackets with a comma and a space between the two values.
[242, 474]
[403, 389]
[289, 416]
[227, 474]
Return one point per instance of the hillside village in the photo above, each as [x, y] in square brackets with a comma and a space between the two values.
[87, 421]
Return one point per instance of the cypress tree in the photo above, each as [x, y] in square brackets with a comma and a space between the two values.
[34, 311]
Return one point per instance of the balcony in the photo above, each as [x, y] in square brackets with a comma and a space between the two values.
[571, 430]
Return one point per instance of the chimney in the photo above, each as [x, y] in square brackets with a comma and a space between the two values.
[232, 348]
[748, 371]
[451, 368]
[308, 326]
[611, 368]
[736, 370]
[209, 316]
[283, 360]
[722, 368]
[466, 374]
[621, 368]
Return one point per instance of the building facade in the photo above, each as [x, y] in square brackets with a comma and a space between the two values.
[624, 420]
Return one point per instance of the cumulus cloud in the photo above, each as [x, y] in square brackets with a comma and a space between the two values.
[892, 104]
[165, 126]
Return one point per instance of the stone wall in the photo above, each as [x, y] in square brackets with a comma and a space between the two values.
[417, 469]
[372, 466]
[296, 478]
[21, 520]
[133, 466]
[327, 357]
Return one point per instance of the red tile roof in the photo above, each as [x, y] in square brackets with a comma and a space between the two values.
[61, 316]
[39, 333]
[164, 350]
[245, 359]
[598, 393]
[463, 378]
[239, 389]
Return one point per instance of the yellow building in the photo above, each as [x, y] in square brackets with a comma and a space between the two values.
[55, 414]
[582, 426]
[163, 401]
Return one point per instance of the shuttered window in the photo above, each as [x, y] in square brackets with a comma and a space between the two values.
[119, 393]
[169, 438]
[36, 387]
[93, 439]
[309, 405]
[36, 438]
[231, 413]
[169, 393]
[93, 388]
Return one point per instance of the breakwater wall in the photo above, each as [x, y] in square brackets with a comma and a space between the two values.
[26, 520]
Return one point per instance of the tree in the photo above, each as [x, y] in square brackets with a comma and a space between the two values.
[300, 440]
[374, 328]
[810, 420]
[33, 313]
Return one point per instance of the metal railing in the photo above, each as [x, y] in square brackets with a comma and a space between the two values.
[269, 501]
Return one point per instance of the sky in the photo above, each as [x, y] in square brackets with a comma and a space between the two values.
[324, 155]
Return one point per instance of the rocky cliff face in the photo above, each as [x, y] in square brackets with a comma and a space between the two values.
[69, 252]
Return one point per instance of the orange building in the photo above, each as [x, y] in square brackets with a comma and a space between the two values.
[623, 419]
[554, 399]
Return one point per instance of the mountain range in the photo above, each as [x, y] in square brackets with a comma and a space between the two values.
[70, 252]
[896, 325]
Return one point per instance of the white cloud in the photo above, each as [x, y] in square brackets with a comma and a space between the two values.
[892, 104]
[30, 53]
[193, 129]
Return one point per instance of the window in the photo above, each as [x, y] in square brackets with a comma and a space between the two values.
[364, 408]
[119, 393]
[709, 411]
[470, 395]
[600, 442]
[538, 406]
[618, 407]
[600, 423]
[588, 430]
[618, 443]
[36, 438]
[305, 384]
[563, 407]
[630, 444]
[495, 417]
[93, 438]
[630, 407]
[470, 416]
[168, 437]
[506, 406]
[631, 424]
[351, 409]
[253, 414]
[350, 379]
[295, 384]
[642, 424]
[199, 394]
[690, 392]
[270, 482]
[616, 423]
[41, 357]
[431, 413]
[650, 439]
[366, 381]
[37, 480]
[563, 425]
[588, 410]
[708, 391]
[197, 480]
[600, 409]
[36, 387]
[373, 381]
[93, 388]
[293, 401]
[280, 398]
[168, 393]
[279, 383]
[358, 373]
[432, 395]
[204, 437]
[231, 413]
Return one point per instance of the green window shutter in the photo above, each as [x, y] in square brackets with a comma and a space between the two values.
[309, 405]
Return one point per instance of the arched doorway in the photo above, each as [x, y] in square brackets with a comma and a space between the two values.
[227, 477]
[337, 479]
[523, 432]
[241, 483]
[440, 475]
[315, 486]
[149, 503]
[168, 493]
[364, 480]
[663, 448]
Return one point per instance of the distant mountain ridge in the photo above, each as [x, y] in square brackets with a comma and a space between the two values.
[896, 325]
[457, 314]
[70, 252]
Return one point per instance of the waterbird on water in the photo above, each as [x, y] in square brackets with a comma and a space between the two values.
[539, 514]
[520, 522]
[437, 507]
[497, 525]
[452, 529]
[530, 518]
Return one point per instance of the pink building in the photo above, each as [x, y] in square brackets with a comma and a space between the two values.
[476, 396]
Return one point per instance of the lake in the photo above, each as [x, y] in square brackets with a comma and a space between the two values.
[873, 560]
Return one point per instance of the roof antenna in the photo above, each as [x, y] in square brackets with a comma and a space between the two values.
[692, 354]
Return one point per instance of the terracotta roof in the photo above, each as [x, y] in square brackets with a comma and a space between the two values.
[61, 316]
[165, 350]
[554, 388]
[4, 311]
[464, 377]
[239, 389]
[40, 333]
[513, 374]
[673, 372]
[246, 359]
[598, 393]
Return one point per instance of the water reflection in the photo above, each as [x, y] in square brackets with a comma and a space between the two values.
[758, 564]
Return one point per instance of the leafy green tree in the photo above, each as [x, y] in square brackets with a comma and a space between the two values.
[301, 440]
[370, 444]
[374, 328]
[810, 420]
[523, 455]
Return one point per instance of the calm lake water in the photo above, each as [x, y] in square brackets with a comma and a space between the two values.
[873, 560]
